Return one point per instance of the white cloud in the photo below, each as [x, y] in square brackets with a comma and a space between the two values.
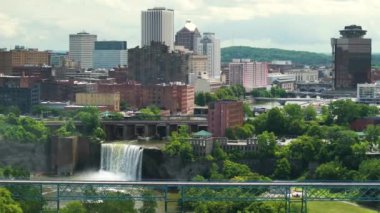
[295, 24]
[8, 26]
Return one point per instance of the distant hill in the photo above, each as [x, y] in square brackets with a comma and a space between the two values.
[270, 54]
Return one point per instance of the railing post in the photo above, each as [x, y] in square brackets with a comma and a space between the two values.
[288, 199]
[58, 197]
[166, 198]
[182, 199]
[304, 200]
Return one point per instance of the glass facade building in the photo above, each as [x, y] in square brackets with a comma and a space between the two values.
[352, 58]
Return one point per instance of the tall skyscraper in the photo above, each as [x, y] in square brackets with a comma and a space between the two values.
[110, 54]
[82, 47]
[210, 46]
[248, 74]
[352, 58]
[188, 36]
[157, 24]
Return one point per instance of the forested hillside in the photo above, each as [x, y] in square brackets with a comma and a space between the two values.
[269, 54]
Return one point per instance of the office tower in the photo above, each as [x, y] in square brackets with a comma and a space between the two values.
[110, 54]
[210, 46]
[352, 58]
[82, 48]
[154, 64]
[157, 25]
[224, 114]
[248, 74]
[188, 36]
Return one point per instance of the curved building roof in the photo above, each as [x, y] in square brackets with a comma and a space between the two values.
[190, 26]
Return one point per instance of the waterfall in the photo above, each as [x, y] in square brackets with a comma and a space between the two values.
[122, 159]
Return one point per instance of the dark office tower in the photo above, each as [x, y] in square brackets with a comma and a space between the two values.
[188, 36]
[352, 58]
[153, 64]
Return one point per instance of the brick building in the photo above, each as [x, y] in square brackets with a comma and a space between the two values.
[178, 98]
[64, 90]
[153, 64]
[130, 91]
[21, 57]
[20, 91]
[224, 114]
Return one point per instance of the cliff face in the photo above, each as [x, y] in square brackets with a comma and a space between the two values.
[158, 166]
[33, 157]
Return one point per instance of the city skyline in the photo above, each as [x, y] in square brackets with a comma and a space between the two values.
[306, 25]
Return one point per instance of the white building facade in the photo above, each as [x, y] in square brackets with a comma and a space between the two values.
[81, 49]
[110, 54]
[157, 25]
[249, 74]
[304, 75]
[210, 46]
[368, 93]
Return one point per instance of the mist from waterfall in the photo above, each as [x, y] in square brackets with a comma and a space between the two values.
[123, 161]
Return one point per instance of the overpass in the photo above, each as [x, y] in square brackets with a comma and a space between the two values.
[57, 192]
[282, 101]
[131, 128]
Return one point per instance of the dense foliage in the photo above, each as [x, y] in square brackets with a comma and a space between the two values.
[234, 92]
[149, 113]
[22, 129]
[274, 92]
[179, 146]
[265, 54]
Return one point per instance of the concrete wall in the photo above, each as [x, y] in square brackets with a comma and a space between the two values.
[33, 157]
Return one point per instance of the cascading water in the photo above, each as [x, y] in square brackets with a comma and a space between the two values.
[122, 159]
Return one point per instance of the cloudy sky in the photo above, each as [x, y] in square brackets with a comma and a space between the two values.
[289, 24]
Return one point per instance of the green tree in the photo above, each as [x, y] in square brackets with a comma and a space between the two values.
[7, 204]
[372, 134]
[73, 207]
[370, 169]
[200, 99]
[267, 144]
[277, 121]
[283, 169]
[179, 145]
[218, 153]
[331, 171]
[309, 113]
[90, 119]
[247, 110]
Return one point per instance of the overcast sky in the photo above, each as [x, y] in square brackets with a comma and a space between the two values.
[288, 24]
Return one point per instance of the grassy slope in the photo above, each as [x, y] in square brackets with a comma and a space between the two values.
[336, 207]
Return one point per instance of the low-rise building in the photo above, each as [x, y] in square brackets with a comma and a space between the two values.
[111, 100]
[368, 93]
[303, 75]
[284, 81]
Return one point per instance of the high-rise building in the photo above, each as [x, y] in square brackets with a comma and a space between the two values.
[188, 36]
[154, 64]
[224, 114]
[110, 54]
[20, 56]
[157, 25]
[82, 47]
[352, 58]
[210, 46]
[248, 74]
